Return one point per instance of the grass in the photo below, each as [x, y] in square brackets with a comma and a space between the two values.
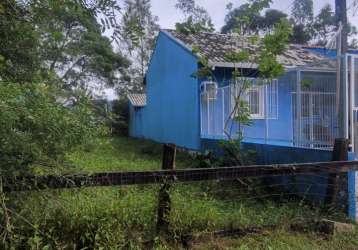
[283, 240]
[123, 154]
[125, 217]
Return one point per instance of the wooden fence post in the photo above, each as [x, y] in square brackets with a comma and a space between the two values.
[340, 153]
[169, 153]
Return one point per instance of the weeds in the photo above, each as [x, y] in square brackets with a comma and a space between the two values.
[125, 217]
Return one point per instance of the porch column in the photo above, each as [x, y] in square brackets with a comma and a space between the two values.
[353, 175]
[298, 106]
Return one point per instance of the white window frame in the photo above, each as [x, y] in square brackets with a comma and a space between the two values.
[209, 90]
[246, 97]
[261, 102]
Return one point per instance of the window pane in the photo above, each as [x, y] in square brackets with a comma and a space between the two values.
[254, 96]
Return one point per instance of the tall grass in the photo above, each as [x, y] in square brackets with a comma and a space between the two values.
[125, 217]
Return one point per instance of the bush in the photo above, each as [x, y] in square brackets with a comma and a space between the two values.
[120, 117]
[37, 123]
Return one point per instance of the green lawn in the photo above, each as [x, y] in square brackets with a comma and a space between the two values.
[125, 217]
[123, 154]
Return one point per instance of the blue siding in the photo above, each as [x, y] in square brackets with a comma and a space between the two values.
[280, 129]
[136, 122]
[329, 52]
[352, 191]
[172, 111]
[275, 154]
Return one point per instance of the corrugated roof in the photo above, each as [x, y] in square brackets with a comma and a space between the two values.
[138, 100]
[215, 47]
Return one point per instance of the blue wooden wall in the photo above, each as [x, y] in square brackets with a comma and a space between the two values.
[280, 129]
[329, 52]
[136, 121]
[172, 111]
[172, 114]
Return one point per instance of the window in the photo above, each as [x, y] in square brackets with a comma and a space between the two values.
[256, 101]
[261, 99]
[209, 90]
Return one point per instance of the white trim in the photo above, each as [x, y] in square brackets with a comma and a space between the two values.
[352, 99]
[245, 65]
[260, 90]
[346, 110]
[223, 109]
[298, 104]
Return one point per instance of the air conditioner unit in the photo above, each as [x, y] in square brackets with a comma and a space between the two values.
[209, 90]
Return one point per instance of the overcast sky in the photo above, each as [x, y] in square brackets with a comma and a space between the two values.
[168, 15]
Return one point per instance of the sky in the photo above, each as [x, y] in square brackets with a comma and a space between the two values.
[168, 15]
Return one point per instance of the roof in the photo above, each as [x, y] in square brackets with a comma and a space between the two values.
[138, 100]
[215, 47]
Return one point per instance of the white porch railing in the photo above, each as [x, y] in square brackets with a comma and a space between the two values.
[217, 107]
[312, 125]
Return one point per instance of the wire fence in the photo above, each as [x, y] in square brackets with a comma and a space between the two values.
[181, 204]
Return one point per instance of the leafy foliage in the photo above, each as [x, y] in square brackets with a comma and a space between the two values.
[325, 23]
[302, 12]
[124, 217]
[197, 18]
[36, 127]
[72, 45]
[120, 117]
[247, 18]
[271, 45]
[19, 45]
[139, 31]
[51, 53]
[307, 28]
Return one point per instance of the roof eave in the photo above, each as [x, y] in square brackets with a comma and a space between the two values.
[179, 42]
[244, 65]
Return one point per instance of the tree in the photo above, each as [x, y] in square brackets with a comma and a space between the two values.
[270, 19]
[247, 19]
[324, 24]
[139, 31]
[271, 45]
[72, 45]
[355, 6]
[197, 18]
[19, 45]
[36, 127]
[300, 34]
[234, 22]
[302, 19]
[39, 122]
[302, 12]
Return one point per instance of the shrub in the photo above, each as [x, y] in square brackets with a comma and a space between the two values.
[37, 123]
[120, 117]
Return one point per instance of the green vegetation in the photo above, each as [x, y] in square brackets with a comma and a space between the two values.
[51, 54]
[123, 154]
[283, 240]
[125, 217]
[35, 127]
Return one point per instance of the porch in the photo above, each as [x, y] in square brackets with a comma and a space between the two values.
[298, 109]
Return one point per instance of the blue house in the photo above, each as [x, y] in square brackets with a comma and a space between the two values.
[291, 117]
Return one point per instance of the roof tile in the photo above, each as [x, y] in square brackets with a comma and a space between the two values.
[215, 47]
[138, 100]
